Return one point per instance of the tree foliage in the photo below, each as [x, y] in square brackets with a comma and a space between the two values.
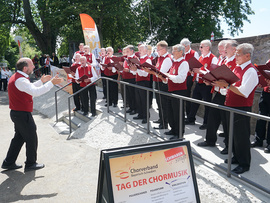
[122, 22]
[172, 20]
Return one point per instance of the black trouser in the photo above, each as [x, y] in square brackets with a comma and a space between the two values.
[113, 90]
[85, 99]
[130, 93]
[141, 96]
[241, 136]
[264, 108]
[215, 118]
[162, 102]
[174, 112]
[189, 86]
[201, 92]
[4, 82]
[76, 98]
[104, 85]
[25, 132]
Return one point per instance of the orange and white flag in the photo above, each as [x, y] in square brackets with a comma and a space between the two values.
[90, 33]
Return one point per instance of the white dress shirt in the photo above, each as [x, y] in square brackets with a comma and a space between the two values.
[166, 65]
[34, 89]
[249, 80]
[141, 72]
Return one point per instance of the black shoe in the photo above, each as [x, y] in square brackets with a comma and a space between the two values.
[157, 121]
[107, 104]
[93, 114]
[137, 117]
[144, 121]
[10, 167]
[85, 113]
[133, 112]
[187, 122]
[203, 127]
[267, 149]
[234, 161]
[114, 105]
[162, 126]
[256, 144]
[206, 144]
[129, 110]
[175, 137]
[76, 109]
[169, 133]
[221, 134]
[240, 169]
[224, 151]
[35, 166]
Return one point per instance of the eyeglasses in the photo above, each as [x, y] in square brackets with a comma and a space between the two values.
[202, 46]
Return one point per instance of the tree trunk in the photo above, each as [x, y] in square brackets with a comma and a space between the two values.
[46, 41]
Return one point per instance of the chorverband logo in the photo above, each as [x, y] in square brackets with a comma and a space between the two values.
[174, 153]
[121, 174]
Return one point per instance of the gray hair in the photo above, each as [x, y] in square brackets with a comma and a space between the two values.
[207, 42]
[131, 47]
[246, 48]
[185, 42]
[179, 48]
[222, 43]
[107, 48]
[232, 42]
[144, 46]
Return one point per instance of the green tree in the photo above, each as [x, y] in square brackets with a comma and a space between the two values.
[172, 20]
[122, 22]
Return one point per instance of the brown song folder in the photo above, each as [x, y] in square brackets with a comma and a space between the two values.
[194, 63]
[81, 79]
[221, 73]
[147, 65]
[263, 73]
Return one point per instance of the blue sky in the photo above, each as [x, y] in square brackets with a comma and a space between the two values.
[259, 23]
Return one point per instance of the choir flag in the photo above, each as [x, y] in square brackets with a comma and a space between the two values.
[90, 33]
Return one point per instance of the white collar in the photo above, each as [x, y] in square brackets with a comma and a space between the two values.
[206, 55]
[23, 73]
[142, 57]
[178, 60]
[230, 59]
[243, 65]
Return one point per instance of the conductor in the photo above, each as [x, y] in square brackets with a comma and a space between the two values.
[21, 92]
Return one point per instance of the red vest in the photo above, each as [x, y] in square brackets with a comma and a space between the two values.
[267, 88]
[108, 72]
[87, 70]
[234, 100]
[189, 56]
[221, 61]
[88, 58]
[80, 52]
[174, 71]
[142, 78]
[74, 67]
[18, 100]
[158, 66]
[127, 75]
[231, 64]
[206, 61]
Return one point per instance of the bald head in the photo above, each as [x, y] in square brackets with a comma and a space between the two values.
[25, 65]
